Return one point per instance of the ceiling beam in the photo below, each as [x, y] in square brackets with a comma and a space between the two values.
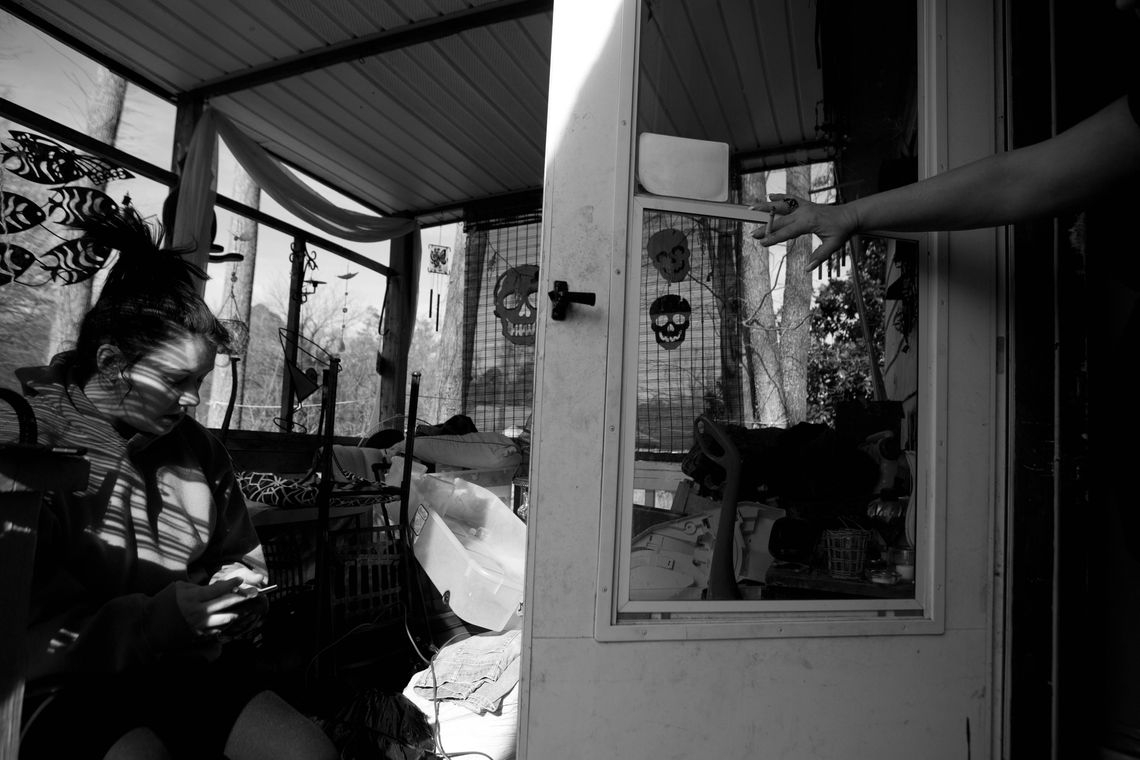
[783, 156]
[505, 204]
[415, 33]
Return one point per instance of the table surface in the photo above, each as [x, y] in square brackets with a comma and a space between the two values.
[795, 576]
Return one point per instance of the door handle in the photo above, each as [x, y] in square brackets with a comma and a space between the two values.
[562, 297]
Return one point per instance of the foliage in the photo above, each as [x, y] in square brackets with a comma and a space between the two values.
[838, 364]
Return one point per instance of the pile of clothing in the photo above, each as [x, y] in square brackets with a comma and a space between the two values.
[469, 694]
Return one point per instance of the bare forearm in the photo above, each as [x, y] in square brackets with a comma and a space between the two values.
[1036, 181]
[1040, 180]
[981, 194]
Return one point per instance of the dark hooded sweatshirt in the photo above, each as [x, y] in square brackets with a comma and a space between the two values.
[157, 509]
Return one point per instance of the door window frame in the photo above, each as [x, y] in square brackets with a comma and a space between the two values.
[617, 617]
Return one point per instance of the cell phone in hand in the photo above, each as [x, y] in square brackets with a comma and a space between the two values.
[257, 592]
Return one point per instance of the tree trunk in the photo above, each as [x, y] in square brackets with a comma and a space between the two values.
[239, 276]
[761, 332]
[104, 111]
[397, 326]
[725, 286]
[796, 311]
[447, 383]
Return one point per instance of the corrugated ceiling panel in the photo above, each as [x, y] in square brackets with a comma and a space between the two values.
[406, 151]
[330, 20]
[383, 128]
[260, 32]
[758, 83]
[242, 42]
[721, 71]
[461, 118]
[434, 128]
[317, 144]
[793, 106]
[118, 35]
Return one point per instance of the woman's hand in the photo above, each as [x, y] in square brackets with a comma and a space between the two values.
[792, 217]
[207, 608]
[252, 606]
[223, 606]
[249, 577]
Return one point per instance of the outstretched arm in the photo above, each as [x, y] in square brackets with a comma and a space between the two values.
[1039, 180]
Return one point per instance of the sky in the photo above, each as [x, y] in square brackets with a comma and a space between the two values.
[46, 76]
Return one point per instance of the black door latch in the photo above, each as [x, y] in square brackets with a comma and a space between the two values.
[562, 297]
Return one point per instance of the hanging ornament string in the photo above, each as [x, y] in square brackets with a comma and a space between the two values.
[437, 268]
[232, 319]
[344, 308]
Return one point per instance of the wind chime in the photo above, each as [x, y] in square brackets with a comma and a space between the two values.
[231, 319]
[437, 268]
[235, 348]
[344, 308]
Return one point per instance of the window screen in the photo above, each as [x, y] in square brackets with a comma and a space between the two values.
[501, 300]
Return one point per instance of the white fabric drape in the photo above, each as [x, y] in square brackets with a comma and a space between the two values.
[197, 190]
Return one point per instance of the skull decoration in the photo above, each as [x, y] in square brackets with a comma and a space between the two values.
[669, 318]
[515, 305]
[668, 249]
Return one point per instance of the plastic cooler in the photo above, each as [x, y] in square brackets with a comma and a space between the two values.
[473, 548]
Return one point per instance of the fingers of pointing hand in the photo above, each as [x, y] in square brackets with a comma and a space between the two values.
[778, 230]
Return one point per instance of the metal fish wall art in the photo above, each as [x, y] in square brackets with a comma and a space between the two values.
[74, 261]
[14, 261]
[46, 162]
[70, 205]
[17, 213]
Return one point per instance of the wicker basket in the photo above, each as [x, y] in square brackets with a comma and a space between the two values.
[290, 557]
[365, 580]
[846, 551]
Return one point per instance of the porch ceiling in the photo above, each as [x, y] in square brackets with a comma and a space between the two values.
[430, 107]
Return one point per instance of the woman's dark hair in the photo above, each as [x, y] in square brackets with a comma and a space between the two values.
[149, 295]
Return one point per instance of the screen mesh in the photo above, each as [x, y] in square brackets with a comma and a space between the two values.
[689, 355]
[501, 299]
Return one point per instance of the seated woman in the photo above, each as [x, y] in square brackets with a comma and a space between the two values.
[142, 580]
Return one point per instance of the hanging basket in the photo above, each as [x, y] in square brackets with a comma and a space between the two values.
[239, 337]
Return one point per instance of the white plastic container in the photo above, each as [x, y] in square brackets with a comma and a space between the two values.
[473, 548]
[682, 167]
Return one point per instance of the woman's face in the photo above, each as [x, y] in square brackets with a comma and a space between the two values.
[163, 384]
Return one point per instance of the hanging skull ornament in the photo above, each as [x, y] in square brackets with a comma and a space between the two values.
[668, 249]
[515, 305]
[669, 318]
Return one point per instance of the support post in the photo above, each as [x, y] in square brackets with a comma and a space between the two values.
[292, 328]
[398, 324]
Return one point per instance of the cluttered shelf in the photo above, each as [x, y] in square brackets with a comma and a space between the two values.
[790, 580]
